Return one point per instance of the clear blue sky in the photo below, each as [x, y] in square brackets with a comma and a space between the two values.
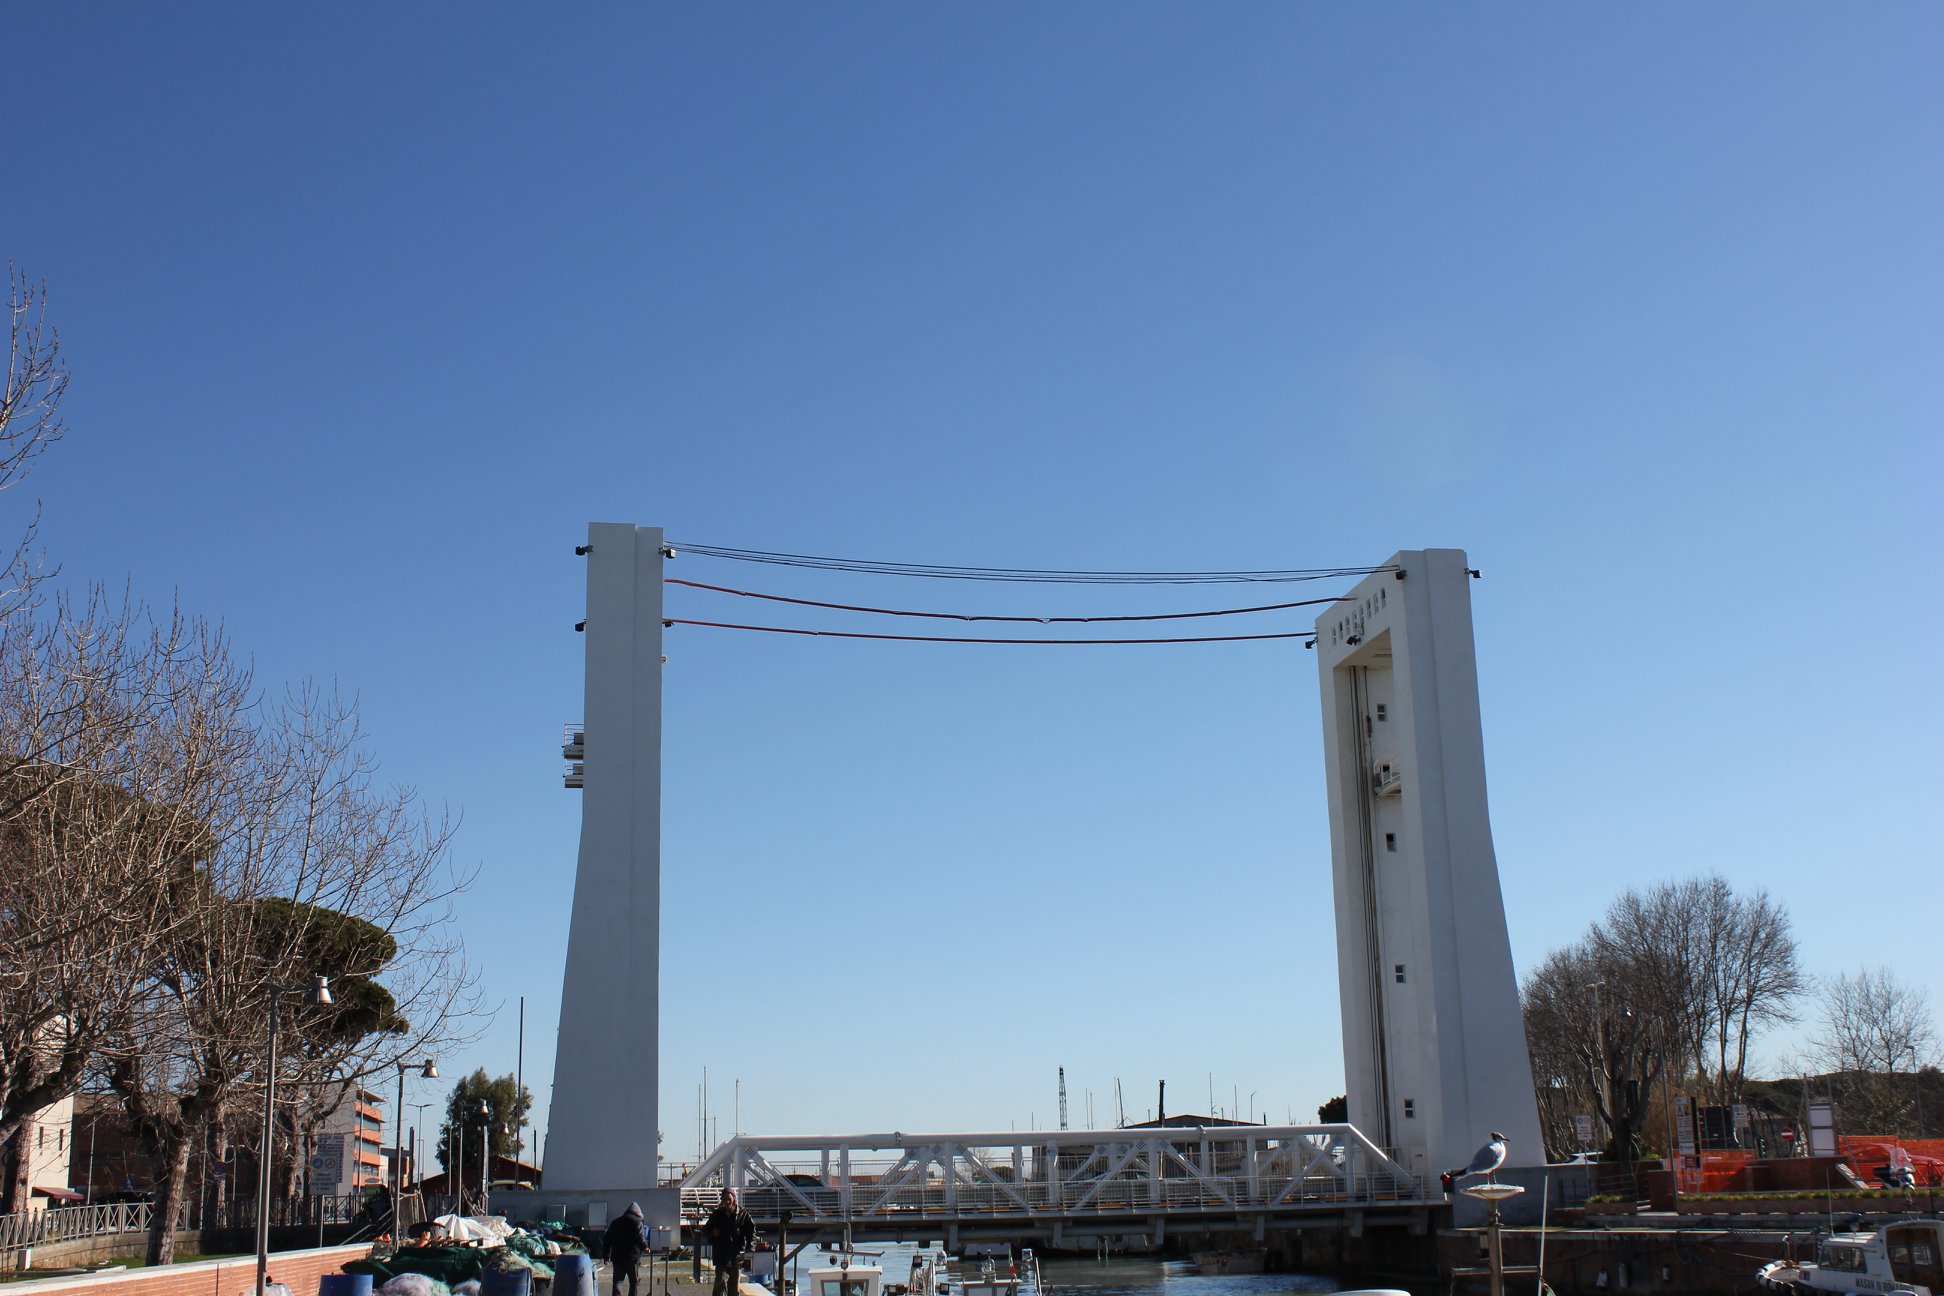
[372, 309]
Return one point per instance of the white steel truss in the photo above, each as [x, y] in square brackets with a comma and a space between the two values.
[1054, 1177]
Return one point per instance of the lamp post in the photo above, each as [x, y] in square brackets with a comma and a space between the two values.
[318, 992]
[418, 1140]
[426, 1071]
[1917, 1080]
[485, 1152]
[1667, 1092]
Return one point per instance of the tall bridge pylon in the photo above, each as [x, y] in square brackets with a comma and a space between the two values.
[1434, 1046]
[601, 1128]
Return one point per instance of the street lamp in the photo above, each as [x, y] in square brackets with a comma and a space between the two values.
[418, 1140]
[428, 1072]
[485, 1151]
[1917, 1079]
[318, 993]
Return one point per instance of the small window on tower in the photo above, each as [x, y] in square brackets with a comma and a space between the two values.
[1382, 712]
[1399, 970]
[1410, 1109]
[1390, 842]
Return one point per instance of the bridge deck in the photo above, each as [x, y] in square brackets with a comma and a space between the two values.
[1065, 1181]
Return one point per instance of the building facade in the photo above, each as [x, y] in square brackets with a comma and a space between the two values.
[349, 1151]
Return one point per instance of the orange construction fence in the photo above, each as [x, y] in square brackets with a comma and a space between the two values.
[1868, 1151]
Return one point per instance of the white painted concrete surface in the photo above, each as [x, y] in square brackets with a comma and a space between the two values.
[601, 1128]
[1434, 1047]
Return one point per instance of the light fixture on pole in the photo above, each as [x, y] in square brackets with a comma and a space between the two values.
[426, 1071]
[317, 993]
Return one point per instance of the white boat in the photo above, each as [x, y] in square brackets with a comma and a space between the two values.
[844, 1273]
[1905, 1256]
[989, 1269]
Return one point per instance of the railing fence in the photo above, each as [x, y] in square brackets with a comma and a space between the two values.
[74, 1223]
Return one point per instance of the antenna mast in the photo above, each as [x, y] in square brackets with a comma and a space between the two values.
[1063, 1118]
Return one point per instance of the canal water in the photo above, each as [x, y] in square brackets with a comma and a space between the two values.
[1117, 1276]
[1132, 1276]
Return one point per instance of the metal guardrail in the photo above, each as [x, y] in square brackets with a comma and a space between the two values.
[74, 1223]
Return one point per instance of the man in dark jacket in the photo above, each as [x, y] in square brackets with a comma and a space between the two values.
[730, 1232]
[626, 1240]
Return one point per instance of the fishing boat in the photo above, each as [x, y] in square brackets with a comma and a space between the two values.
[927, 1277]
[1904, 1256]
[989, 1269]
[845, 1272]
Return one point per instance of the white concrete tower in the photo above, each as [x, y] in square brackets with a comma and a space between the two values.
[1433, 1043]
[602, 1125]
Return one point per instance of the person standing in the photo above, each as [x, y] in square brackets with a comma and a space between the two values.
[730, 1232]
[626, 1239]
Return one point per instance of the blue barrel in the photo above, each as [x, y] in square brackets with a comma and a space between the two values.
[506, 1282]
[573, 1275]
[344, 1285]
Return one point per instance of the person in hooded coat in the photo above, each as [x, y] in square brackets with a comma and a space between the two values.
[627, 1238]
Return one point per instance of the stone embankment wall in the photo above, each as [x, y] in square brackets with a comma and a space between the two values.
[1605, 1262]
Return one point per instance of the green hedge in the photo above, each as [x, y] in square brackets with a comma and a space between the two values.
[1797, 1194]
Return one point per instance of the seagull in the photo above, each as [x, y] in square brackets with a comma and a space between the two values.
[1485, 1161]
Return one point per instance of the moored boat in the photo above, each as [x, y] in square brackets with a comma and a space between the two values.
[845, 1273]
[1902, 1256]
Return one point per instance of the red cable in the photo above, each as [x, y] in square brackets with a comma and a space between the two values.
[852, 634]
[960, 616]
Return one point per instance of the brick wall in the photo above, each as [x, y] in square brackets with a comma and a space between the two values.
[298, 1270]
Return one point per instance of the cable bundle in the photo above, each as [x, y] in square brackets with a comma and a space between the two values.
[1006, 575]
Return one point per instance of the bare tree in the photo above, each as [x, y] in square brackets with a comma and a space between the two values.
[89, 818]
[300, 835]
[1656, 943]
[30, 416]
[1558, 1025]
[1674, 981]
[1755, 981]
[1873, 1027]
[1577, 1003]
